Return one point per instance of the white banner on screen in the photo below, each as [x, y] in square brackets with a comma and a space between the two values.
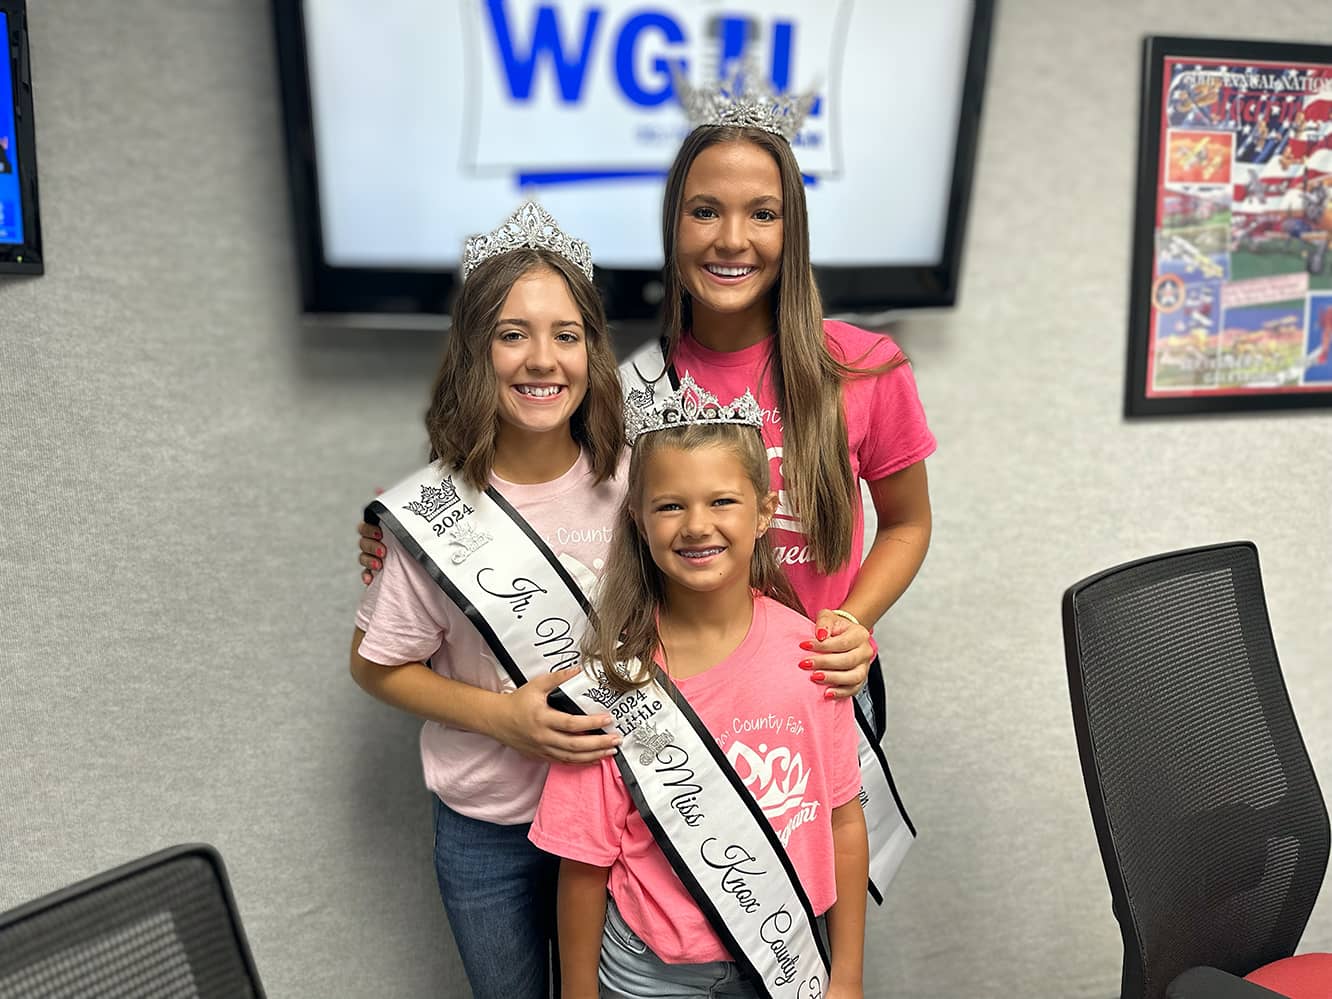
[546, 72]
[433, 117]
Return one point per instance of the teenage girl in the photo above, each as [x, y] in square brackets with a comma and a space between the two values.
[527, 400]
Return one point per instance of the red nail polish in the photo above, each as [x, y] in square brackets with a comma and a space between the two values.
[380, 551]
[806, 664]
[816, 677]
[821, 634]
[379, 535]
[807, 646]
[828, 695]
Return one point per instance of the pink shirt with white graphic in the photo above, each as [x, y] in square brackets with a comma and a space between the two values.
[795, 752]
[407, 618]
[885, 425]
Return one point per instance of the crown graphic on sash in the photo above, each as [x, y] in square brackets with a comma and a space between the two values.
[531, 227]
[742, 97]
[468, 539]
[691, 404]
[434, 500]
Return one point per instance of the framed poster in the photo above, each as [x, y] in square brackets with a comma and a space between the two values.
[1231, 304]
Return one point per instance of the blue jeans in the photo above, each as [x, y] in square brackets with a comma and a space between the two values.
[629, 970]
[499, 893]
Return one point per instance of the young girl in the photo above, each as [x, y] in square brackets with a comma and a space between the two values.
[525, 423]
[693, 588]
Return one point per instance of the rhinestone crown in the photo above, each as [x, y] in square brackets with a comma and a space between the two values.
[530, 227]
[742, 97]
[690, 404]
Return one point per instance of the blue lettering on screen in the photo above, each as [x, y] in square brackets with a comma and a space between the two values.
[632, 87]
[569, 56]
[519, 69]
[11, 218]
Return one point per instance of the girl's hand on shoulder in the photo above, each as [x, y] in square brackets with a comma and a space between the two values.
[372, 551]
[838, 656]
[530, 725]
[372, 548]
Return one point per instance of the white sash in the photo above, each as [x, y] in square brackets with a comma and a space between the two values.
[724, 850]
[493, 566]
[532, 614]
[645, 375]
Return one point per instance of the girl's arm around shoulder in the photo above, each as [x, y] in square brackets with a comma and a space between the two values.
[581, 913]
[901, 539]
[846, 918]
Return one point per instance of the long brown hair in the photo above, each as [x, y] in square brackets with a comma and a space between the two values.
[807, 379]
[463, 417]
[632, 588]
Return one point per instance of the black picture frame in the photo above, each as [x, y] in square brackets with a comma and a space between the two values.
[20, 157]
[415, 296]
[1234, 162]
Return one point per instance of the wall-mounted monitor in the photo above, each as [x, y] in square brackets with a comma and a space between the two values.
[413, 123]
[20, 228]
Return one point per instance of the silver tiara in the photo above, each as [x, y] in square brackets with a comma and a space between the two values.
[742, 97]
[691, 404]
[531, 227]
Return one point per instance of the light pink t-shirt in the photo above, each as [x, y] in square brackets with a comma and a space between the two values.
[886, 431]
[795, 751]
[407, 618]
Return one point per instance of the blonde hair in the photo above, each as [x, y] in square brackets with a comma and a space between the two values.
[807, 379]
[463, 416]
[632, 588]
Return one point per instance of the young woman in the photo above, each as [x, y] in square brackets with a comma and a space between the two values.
[525, 426]
[693, 590]
[840, 404]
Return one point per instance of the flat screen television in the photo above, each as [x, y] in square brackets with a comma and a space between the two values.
[20, 228]
[411, 124]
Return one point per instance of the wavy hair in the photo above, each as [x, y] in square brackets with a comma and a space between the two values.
[463, 416]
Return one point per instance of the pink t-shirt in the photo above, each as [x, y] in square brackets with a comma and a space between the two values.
[885, 425]
[795, 751]
[407, 618]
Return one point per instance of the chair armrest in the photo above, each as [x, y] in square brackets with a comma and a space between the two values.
[1211, 983]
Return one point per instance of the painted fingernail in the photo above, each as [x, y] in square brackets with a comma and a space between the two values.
[366, 578]
[378, 564]
[816, 677]
[379, 535]
[380, 551]
[806, 664]
[807, 646]
[828, 695]
[821, 634]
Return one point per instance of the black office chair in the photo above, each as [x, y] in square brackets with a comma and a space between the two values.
[1211, 824]
[162, 926]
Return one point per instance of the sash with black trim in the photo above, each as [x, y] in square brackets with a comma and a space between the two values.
[713, 833]
[645, 375]
[491, 563]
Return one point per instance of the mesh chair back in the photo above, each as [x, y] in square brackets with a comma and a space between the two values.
[164, 926]
[1211, 824]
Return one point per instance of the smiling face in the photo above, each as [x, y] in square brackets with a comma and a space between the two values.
[539, 353]
[729, 242]
[700, 516]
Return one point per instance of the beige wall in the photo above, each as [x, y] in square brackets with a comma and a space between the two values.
[183, 464]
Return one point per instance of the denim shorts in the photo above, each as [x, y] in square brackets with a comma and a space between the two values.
[629, 970]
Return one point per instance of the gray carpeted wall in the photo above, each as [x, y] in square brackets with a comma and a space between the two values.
[183, 464]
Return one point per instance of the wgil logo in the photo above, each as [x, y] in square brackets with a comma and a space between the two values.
[579, 91]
